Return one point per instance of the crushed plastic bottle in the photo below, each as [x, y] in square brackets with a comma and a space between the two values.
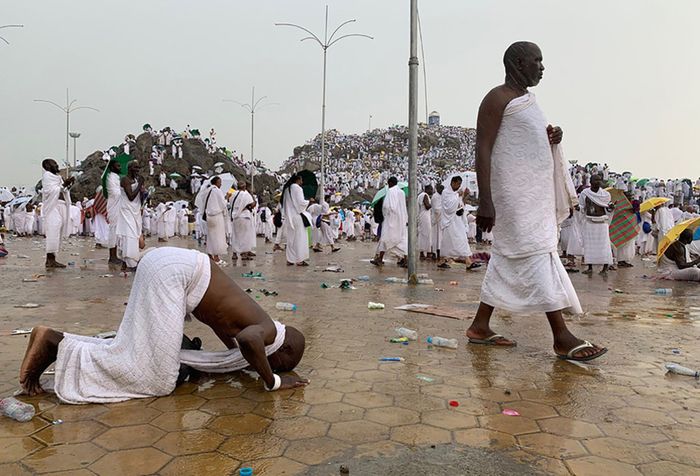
[391, 359]
[442, 342]
[19, 411]
[394, 279]
[406, 332]
[286, 306]
[375, 305]
[664, 291]
[680, 370]
[425, 281]
[362, 278]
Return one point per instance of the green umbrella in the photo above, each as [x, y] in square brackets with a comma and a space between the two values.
[642, 182]
[123, 160]
[175, 175]
[382, 192]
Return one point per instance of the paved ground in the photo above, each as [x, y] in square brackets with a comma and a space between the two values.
[621, 416]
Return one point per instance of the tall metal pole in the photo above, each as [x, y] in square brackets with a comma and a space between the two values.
[413, 144]
[67, 124]
[252, 139]
[327, 42]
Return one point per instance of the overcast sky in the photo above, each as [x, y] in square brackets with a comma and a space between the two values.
[621, 76]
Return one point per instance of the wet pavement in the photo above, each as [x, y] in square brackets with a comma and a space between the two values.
[619, 416]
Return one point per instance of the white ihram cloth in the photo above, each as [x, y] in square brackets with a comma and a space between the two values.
[532, 193]
[626, 252]
[114, 196]
[293, 227]
[129, 227]
[664, 220]
[216, 208]
[454, 234]
[144, 358]
[436, 212]
[55, 210]
[327, 233]
[243, 230]
[424, 225]
[597, 248]
[669, 270]
[394, 239]
[74, 220]
[101, 230]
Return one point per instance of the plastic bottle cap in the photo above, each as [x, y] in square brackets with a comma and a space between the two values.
[246, 471]
[429, 340]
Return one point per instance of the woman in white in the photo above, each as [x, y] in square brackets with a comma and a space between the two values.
[215, 208]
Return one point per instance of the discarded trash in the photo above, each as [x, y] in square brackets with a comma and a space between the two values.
[454, 403]
[375, 305]
[425, 281]
[410, 334]
[425, 378]
[249, 290]
[57, 422]
[22, 256]
[19, 411]
[19, 332]
[75, 254]
[106, 335]
[454, 283]
[676, 351]
[618, 291]
[268, 293]
[333, 269]
[252, 274]
[246, 471]
[394, 279]
[106, 276]
[346, 284]
[29, 305]
[509, 412]
[391, 359]
[398, 340]
[285, 306]
[71, 264]
[680, 370]
[30, 280]
[344, 470]
[439, 289]
[442, 342]
[506, 392]
[362, 278]
[664, 291]
[325, 286]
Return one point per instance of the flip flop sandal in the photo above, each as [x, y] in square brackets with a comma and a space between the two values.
[303, 263]
[586, 345]
[492, 340]
[474, 266]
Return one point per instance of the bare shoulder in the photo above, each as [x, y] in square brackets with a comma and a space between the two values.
[498, 98]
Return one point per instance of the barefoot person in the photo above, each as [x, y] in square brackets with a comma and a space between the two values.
[519, 182]
[55, 209]
[144, 358]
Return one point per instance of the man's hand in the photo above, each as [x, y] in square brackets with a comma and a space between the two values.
[555, 134]
[69, 181]
[291, 381]
[611, 207]
[485, 216]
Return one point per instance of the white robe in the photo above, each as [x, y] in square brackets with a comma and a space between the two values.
[216, 214]
[242, 230]
[394, 236]
[525, 273]
[129, 228]
[454, 234]
[436, 212]
[101, 230]
[56, 212]
[424, 225]
[297, 240]
[114, 195]
[597, 248]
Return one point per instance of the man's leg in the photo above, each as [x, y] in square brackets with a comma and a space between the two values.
[51, 261]
[564, 340]
[41, 352]
[480, 329]
[589, 271]
[604, 271]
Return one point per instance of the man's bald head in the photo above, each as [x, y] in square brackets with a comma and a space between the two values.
[290, 353]
[523, 63]
[50, 165]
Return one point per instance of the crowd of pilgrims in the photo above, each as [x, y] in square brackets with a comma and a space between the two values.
[356, 165]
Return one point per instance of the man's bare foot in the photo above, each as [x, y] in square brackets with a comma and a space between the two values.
[483, 336]
[51, 264]
[276, 247]
[41, 352]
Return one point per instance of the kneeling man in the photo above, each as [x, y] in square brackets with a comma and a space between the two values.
[144, 358]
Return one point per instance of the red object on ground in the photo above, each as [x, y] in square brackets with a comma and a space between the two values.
[454, 403]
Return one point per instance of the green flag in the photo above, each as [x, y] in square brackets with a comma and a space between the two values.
[123, 160]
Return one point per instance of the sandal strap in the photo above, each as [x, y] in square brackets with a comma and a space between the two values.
[495, 337]
[585, 345]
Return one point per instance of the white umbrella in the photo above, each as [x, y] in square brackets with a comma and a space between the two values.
[228, 181]
[6, 195]
[19, 201]
[197, 167]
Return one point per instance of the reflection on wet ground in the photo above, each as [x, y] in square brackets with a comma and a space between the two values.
[620, 416]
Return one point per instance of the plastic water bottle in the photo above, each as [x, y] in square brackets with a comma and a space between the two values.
[13, 408]
[664, 291]
[286, 306]
[391, 359]
[362, 278]
[442, 342]
[394, 279]
[375, 305]
[425, 281]
[680, 370]
[406, 332]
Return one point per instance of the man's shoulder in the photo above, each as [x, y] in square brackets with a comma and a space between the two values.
[499, 97]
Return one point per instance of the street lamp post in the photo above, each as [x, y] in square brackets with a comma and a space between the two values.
[74, 136]
[9, 26]
[413, 144]
[252, 107]
[325, 44]
[68, 108]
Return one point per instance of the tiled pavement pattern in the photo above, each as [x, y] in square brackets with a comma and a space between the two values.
[619, 417]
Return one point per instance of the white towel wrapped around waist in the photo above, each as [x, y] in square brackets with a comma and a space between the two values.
[144, 359]
[227, 360]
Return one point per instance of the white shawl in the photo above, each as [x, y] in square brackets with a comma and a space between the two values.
[52, 192]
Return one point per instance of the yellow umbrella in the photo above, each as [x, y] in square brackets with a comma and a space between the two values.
[674, 233]
[652, 202]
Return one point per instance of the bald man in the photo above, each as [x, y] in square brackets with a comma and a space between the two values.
[144, 359]
[521, 173]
